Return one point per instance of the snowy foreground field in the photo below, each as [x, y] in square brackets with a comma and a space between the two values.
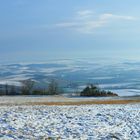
[85, 122]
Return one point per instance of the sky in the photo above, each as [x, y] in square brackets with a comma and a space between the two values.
[32, 30]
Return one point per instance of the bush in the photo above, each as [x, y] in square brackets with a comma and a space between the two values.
[39, 92]
[94, 91]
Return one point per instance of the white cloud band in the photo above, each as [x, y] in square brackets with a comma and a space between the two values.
[86, 21]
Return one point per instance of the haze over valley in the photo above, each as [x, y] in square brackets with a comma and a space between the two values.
[120, 77]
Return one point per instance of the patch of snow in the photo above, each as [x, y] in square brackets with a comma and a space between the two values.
[104, 122]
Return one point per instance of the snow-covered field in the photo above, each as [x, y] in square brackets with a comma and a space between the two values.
[85, 122]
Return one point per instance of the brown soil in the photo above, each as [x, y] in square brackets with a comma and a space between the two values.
[87, 102]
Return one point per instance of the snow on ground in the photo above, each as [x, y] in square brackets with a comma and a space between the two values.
[85, 122]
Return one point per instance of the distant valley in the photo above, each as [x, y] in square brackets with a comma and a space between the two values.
[122, 78]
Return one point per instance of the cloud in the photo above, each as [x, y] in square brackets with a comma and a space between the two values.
[111, 16]
[87, 21]
[84, 14]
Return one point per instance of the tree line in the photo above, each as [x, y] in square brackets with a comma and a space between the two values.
[28, 88]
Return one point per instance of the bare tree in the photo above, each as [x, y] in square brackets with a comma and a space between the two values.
[53, 88]
[27, 86]
[6, 89]
[2, 90]
[13, 90]
[75, 88]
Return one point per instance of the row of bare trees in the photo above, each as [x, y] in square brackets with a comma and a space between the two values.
[28, 88]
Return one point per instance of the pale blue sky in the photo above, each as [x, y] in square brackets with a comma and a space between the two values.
[32, 30]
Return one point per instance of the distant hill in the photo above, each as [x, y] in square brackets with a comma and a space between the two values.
[110, 76]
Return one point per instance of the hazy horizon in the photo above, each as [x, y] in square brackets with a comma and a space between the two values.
[33, 31]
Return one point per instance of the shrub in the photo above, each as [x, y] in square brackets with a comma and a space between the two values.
[93, 90]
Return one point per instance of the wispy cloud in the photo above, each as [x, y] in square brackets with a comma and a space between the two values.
[87, 21]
